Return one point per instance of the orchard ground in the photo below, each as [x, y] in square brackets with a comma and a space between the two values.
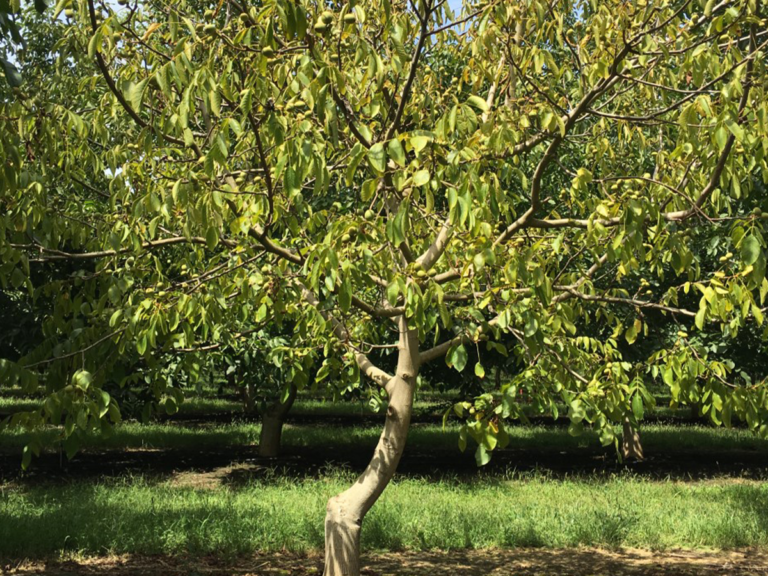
[188, 494]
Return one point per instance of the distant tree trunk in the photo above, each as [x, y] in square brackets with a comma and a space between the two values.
[631, 448]
[345, 512]
[272, 425]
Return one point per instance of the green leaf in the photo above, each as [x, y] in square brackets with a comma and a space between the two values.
[377, 157]
[212, 238]
[721, 137]
[396, 152]
[367, 190]
[135, 92]
[419, 142]
[633, 331]
[479, 370]
[117, 315]
[71, 445]
[459, 357]
[82, 379]
[700, 317]
[396, 227]
[345, 295]
[637, 407]
[421, 178]
[478, 103]
[393, 291]
[463, 438]
[750, 250]
[12, 74]
[26, 457]
[17, 278]
[94, 44]
[479, 262]
[482, 456]
[531, 327]
[291, 181]
[356, 156]
[735, 129]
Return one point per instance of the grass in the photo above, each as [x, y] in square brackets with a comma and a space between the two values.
[207, 403]
[200, 405]
[10, 404]
[155, 515]
[655, 437]
[135, 515]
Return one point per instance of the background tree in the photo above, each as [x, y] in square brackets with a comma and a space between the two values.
[402, 183]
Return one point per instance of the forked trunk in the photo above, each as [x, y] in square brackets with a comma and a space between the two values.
[346, 511]
[631, 448]
[272, 426]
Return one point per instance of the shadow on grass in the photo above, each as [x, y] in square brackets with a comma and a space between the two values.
[685, 452]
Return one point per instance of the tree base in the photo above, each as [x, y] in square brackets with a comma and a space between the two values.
[631, 448]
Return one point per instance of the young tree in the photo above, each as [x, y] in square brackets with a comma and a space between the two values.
[254, 368]
[416, 183]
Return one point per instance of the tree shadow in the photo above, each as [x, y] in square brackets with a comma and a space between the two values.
[684, 454]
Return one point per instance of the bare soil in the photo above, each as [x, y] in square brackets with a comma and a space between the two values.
[519, 562]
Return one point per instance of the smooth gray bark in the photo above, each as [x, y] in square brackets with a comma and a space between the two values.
[345, 512]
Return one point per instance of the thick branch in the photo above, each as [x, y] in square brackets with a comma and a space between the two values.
[375, 373]
[60, 255]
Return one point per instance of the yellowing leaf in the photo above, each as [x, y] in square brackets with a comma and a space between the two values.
[152, 27]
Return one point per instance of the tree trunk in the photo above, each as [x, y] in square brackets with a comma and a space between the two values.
[345, 512]
[631, 448]
[272, 425]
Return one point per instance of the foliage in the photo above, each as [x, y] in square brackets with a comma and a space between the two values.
[503, 181]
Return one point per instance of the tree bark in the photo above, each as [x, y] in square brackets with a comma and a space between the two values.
[345, 512]
[272, 425]
[631, 448]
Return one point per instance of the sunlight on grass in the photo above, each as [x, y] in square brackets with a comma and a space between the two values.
[140, 516]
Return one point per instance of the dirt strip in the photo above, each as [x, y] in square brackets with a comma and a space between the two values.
[519, 562]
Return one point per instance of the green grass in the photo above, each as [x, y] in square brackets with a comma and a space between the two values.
[204, 404]
[201, 405]
[152, 435]
[10, 404]
[354, 408]
[655, 437]
[138, 516]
